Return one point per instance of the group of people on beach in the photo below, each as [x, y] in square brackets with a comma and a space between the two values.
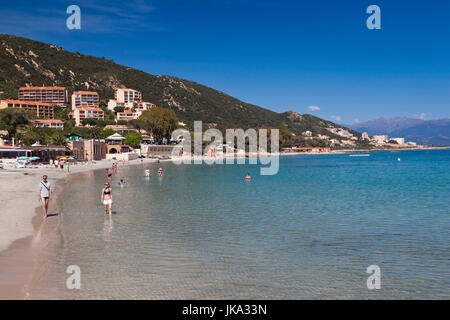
[45, 188]
[61, 164]
[160, 172]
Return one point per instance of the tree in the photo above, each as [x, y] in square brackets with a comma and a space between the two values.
[119, 109]
[108, 132]
[161, 122]
[94, 133]
[133, 139]
[58, 139]
[10, 119]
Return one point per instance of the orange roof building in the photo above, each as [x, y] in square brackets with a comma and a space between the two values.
[88, 112]
[41, 110]
[84, 98]
[54, 95]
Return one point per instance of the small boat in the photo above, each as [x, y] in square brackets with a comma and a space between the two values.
[360, 155]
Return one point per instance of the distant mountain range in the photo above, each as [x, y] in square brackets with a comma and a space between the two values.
[427, 132]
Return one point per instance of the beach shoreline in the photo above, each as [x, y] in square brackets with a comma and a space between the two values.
[25, 237]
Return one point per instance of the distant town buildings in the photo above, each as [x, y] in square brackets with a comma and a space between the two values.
[53, 95]
[365, 136]
[84, 99]
[380, 138]
[398, 140]
[41, 110]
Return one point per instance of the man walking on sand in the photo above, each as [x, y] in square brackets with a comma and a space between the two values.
[45, 190]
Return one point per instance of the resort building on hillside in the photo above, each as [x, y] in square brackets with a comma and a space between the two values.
[48, 123]
[128, 95]
[87, 113]
[53, 95]
[41, 110]
[127, 115]
[121, 129]
[84, 99]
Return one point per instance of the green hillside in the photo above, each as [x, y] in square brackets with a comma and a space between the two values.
[28, 62]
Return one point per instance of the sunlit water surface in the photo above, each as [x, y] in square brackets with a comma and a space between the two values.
[311, 231]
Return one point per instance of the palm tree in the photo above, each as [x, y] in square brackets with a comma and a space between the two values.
[58, 139]
[10, 119]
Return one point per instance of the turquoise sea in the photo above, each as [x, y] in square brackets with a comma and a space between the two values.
[309, 232]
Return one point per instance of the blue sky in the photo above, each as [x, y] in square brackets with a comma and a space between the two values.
[282, 55]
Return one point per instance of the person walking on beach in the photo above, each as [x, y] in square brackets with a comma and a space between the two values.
[45, 191]
[106, 197]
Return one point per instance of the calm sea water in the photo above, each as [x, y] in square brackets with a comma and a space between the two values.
[311, 231]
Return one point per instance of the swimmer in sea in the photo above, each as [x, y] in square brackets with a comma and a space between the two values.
[160, 172]
[247, 177]
[109, 174]
[106, 197]
[122, 182]
[147, 172]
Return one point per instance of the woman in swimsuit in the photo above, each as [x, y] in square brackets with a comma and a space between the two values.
[109, 174]
[106, 197]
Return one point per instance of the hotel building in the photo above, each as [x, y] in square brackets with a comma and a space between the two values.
[127, 115]
[53, 95]
[380, 138]
[48, 123]
[128, 95]
[87, 113]
[84, 98]
[41, 110]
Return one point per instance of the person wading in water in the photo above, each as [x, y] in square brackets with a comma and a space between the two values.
[44, 194]
[106, 197]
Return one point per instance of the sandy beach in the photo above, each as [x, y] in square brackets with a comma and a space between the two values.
[25, 237]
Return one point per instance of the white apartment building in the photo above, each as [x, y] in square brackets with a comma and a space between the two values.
[399, 140]
[128, 95]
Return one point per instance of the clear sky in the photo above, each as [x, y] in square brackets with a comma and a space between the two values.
[282, 55]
